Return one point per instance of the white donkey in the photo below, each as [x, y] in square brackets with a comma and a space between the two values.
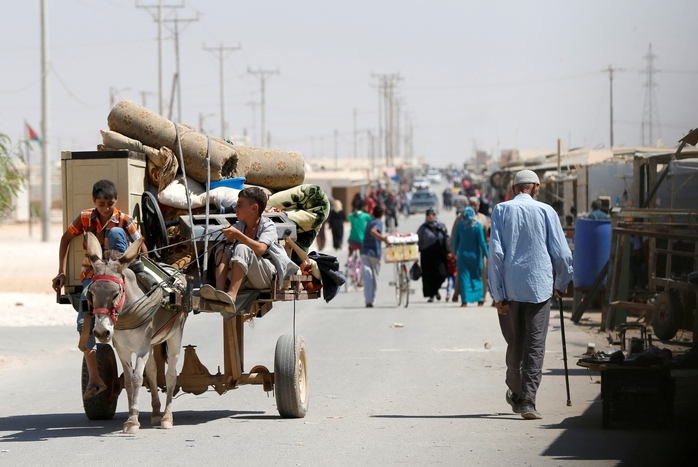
[114, 293]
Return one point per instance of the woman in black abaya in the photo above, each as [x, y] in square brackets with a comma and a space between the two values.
[434, 247]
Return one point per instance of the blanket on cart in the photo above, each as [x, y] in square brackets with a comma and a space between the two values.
[308, 207]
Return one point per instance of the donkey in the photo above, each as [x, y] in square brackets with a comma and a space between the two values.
[114, 293]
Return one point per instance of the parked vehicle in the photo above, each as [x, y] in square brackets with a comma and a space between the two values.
[422, 200]
[421, 183]
[434, 176]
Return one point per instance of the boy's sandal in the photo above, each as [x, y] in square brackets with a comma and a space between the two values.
[93, 389]
[208, 292]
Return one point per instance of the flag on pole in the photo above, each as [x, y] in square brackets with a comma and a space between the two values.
[32, 134]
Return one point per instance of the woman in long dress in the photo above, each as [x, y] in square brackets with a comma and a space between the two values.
[434, 247]
[336, 220]
[470, 247]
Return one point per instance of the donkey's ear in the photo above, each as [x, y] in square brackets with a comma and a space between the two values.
[131, 252]
[94, 249]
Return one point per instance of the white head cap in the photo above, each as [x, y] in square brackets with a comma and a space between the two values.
[526, 176]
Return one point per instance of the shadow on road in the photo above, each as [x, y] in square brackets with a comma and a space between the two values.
[493, 416]
[71, 425]
[642, 443]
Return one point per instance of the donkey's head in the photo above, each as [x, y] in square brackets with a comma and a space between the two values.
[107, 291]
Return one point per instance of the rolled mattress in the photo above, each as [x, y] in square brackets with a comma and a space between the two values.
[135, 121]
[274, 169]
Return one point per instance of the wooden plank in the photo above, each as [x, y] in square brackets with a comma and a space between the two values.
[631, 305]
[665, 235]
[670, 284]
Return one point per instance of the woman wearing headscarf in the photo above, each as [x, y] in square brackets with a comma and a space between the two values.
[434, 247]
[470, 248]
[336, 220]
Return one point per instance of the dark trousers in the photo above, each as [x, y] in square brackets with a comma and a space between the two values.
[525, 327]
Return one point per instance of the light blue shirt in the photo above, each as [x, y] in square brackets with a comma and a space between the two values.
[526, 245]
[598, 214]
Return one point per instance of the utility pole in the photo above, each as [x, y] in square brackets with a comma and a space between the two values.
[144, 95]
[263, 79]
[253, 104]
[610, 71]
[335, 150]
[221, 56]
[45, 129]
[160, 20]
[386, 104]
[113, 92]
[176, 22]
[650, 113]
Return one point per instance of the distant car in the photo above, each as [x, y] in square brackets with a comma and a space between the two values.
[421, 183]
[422, 200]
[434, 176]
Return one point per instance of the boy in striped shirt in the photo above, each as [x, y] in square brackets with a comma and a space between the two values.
[114, 230]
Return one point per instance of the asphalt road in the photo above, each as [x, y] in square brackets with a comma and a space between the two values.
[388, 386]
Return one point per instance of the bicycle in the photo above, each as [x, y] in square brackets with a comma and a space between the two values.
[402, 283]
[353, 272]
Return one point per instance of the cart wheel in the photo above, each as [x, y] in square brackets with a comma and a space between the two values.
[102, 406]
[667, 315]
[153, 227]
[291, 376]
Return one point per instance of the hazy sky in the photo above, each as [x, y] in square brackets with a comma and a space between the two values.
[491, 74]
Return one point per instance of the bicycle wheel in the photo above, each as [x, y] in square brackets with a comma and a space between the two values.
[405, 283]
[358, 282]
[398, 284]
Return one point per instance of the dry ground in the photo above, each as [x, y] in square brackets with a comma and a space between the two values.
[28, 266]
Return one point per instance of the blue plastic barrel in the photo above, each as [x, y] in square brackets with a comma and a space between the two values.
[592, 249]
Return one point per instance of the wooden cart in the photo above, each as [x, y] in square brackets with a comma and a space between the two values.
[288, 379]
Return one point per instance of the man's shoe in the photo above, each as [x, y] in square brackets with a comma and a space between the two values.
[515, 406]
[529, 412]
[431, 300]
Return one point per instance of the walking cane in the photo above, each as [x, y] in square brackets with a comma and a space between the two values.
[564, 353]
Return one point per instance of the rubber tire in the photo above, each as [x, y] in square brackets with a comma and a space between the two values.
[291, 376]
[102, 406]
[153, 227]
[667, 316]
[398, 285]
[405, 284]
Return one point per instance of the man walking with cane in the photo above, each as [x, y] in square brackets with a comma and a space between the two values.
[527, 245]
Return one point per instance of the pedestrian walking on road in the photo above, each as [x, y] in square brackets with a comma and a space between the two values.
[434, 248]
[470, 248]
[336, 219]
[527, 246]
[371, 255]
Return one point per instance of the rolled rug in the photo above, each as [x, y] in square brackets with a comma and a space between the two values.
[275, 169]
[151, 129]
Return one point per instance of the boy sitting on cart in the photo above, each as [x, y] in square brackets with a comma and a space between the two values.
[252, 254]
